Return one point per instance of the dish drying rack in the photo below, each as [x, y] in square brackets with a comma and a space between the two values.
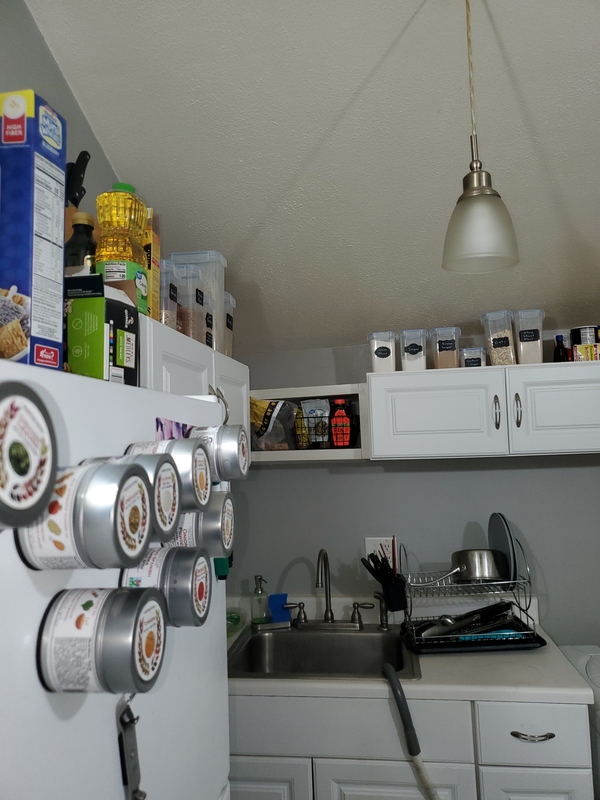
[442, 584]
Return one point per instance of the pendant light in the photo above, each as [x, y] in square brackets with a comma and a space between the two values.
[480, 236]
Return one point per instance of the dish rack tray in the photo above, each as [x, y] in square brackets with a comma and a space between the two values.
[440, 584]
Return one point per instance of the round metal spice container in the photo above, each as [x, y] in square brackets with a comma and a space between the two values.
[183, 576]
[188, 531]
[27, 455]
[193, 465]
[163, 477]
[102, 640]
[99, 515]
[227, 447]
[217, 525]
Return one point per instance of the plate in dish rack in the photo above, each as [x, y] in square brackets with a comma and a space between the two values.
[500, 538]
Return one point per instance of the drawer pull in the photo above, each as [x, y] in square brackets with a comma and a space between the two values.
[529, 737]
[519, 410]
[496, 412]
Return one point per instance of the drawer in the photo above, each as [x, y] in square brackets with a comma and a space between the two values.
[497, 724]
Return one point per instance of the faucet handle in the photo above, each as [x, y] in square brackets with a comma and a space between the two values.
[356, 613]
[301, 617]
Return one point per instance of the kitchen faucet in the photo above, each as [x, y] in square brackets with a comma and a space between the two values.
[323, 567]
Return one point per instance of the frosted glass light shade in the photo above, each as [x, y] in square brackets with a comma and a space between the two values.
[480, 236]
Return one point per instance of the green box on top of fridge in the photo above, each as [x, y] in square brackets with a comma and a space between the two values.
[32, 219]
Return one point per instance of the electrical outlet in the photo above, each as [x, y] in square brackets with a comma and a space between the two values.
[372, 545]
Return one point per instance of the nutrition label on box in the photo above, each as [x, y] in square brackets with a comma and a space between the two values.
[48, 243]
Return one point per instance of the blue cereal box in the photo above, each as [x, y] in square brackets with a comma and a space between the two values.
[32, 221]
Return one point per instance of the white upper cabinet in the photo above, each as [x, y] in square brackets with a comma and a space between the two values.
[171, 362]
[554, 408]
[438, 413]
[233, 380]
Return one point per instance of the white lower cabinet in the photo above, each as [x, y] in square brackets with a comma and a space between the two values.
[341, 779]
[264, 778]
[523, 783]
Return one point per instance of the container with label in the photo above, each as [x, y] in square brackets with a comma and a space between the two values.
[383, 351]
[498, 333]
[413, 353]
[183, 575]
[168, 295]
[193, 464]
[27, 455]
[588, 334]
[445, 347]
[99, 515]
[102, 640]
[189, 531]
[218, 522]
[528, 335]
[227, 447]
[229, 305]
[166, 489]
[472, 357]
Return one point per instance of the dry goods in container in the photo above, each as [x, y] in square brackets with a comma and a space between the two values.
[528, 335]
[27, 455]
[499, 336]
[193, 464]
[211, 268]
[227, 447]
[99, 515]
[383, 351]
[102, 640]
[229, 307]
[218, 522]
[168, 295]
[183, 575]
[472, 357]
[445, 347]
[413, 354]
[188, 531]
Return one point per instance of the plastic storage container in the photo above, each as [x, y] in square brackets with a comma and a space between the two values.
[383, 351]
[472, 357]
[211, 265]
[498, 333]
[168, 295]
[445, 347]
[190, 301]
[528, 335]
[413, 352]
[229, 305]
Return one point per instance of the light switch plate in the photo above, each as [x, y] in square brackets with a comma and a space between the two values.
[372, 545]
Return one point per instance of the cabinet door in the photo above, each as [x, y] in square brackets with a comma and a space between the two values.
[233, 379]
[342, 779]
[438, 413]
[172, 362]
[522, 783]
[554, 409]
[260, 778]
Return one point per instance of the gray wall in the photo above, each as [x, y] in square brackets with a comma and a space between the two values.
[286, 513]
[26, 63]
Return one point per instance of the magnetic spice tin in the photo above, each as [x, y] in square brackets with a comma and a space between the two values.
[183, 576]
[99, 515]
[227, 447]
[188, 531]
[218, 522]
[27, 455]
[192, 462]
[102, 640]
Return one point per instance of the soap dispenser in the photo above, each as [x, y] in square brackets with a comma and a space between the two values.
[260, 613]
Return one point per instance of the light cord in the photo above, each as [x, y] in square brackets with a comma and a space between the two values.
[470, 57]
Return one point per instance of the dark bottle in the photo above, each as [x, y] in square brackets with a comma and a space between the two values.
[560, 351]
[80, 250]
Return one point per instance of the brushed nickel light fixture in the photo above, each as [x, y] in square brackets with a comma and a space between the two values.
[480, 236]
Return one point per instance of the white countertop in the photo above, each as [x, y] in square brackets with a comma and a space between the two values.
[540, 675]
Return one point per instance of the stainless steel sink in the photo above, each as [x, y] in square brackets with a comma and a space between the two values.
[323, 653]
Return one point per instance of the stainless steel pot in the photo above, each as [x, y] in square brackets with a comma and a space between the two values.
[479, 566]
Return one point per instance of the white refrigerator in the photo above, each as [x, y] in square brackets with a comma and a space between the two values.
[60, 746]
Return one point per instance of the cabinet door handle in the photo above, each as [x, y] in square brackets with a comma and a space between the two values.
[530, 737]
[496, 412]
[518, 410]
[221, 398]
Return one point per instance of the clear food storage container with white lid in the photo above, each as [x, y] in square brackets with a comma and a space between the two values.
[498, 333]
[168, 295]
[445, 347]
[413, 353]
[383, 351]
[472, 357]
[528, 334]
[229, 305]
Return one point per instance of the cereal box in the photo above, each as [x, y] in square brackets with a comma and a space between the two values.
[32, 212]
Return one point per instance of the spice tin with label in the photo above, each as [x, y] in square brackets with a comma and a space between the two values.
[166, 489]
[183, 575]
[27, 455]
[99, 515]
[218, 521]
[188, 531]
[193, 464]
[102, 640]
[227, 447]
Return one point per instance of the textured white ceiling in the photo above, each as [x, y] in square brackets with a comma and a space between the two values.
[321, 145]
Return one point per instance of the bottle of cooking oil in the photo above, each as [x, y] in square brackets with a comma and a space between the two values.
[120, 254]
